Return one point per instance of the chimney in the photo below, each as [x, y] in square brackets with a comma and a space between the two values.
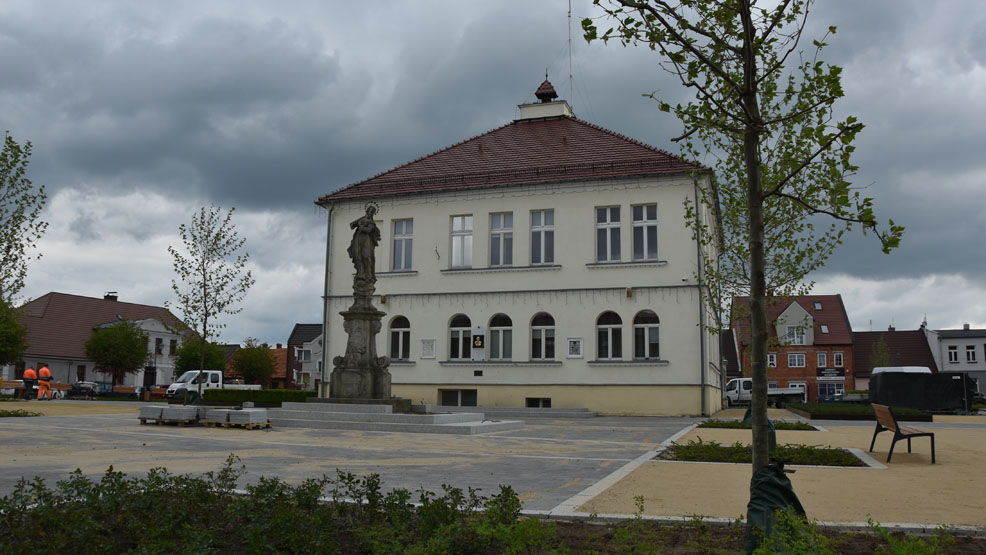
[278, 345]
[891, 328]
[110, 296]
[965, 326]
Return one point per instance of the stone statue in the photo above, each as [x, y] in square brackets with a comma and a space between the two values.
[366, 237]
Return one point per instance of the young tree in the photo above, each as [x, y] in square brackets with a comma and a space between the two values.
[254, 362]
[764, 107]
[211, 272]
[189, 357]
[20, 223]
[119, 349]
[880, 355]
[13, 335]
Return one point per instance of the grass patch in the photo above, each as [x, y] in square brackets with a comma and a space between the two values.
[739, 425]
[17, 413]
[713, 451]
[979, 406]
[847, 409]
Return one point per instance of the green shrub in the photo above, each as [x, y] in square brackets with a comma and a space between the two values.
[902, 544]
[257, 395]
[793, 533]
[17, 413]
[815, 409]
[739, 425]
[712, 451]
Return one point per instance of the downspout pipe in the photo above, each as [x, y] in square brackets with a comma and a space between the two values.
[325, 301]
[701, 302]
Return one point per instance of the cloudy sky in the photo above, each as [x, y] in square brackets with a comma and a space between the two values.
[140, 112]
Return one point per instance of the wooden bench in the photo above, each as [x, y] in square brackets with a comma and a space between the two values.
[885, 420]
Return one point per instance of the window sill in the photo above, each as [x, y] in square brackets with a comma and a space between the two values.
[397, 273]
[505, 363]
[596, 265]
[494, 269]
[402, 362]
[657, 362]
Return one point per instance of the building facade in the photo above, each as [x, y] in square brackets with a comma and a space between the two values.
[305, 355]
[964, 350]
[58, 326]
[544, 263]
[810, 344]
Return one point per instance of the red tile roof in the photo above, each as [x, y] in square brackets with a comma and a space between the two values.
[523, 152]
[58, 324]
[832, 314]
[906, 348]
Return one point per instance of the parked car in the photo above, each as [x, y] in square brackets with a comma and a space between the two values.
[82, 390]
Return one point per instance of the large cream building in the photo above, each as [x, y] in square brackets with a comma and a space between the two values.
[544, 263]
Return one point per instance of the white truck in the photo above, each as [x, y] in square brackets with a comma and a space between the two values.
[208, 379]
[739, 391]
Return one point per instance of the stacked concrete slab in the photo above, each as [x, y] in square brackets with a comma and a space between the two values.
[381, 418]
[511, 412]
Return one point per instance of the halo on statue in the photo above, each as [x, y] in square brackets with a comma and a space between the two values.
[373, 205]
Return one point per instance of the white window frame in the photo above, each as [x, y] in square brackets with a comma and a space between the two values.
[500, 345]
[644, 223]
[400, 258]
[953, 353]
[822, 359]
[543, 333]
[501, 235]
[610, 330]
[795, 335]
[609, 230]
[818, 305]
[647, 329]
[403, 339]
[771, 360]
[460, 337]
[840, 388]
[970, 353]
[793, 360]
[825, 328]
[542, 235]
[302, 355]
[837, 360]
[461, 241]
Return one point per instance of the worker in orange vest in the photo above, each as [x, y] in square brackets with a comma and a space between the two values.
[30, 378]
[44, 389]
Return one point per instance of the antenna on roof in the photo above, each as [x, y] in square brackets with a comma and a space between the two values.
[571, 90]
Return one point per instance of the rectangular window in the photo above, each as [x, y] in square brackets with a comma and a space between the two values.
[542, 343]
[822, 360]
[645, 232]
[795, 335]
[501, 344]
[458, 397]
[771, 360]
[461, 241]
[543, 237]
[837, 360]
[796, 360]
[538, 402]
[158, 345]
[970, 353]
[818, 305]
[953, 353]
[771, 385]
[825, 329]
[400, 343]
[403, 230]
[303, 355]
[173, 347]
[831, 389]
[608, 234]
[502, 239]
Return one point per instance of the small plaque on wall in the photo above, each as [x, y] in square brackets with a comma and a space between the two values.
[574, 347]
[427, 348]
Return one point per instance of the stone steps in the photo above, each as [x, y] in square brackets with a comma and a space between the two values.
[380, 418]
[511, 412]
[464, 428]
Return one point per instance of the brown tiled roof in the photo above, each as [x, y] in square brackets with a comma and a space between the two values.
[906, 348]
[58, 324]
[832, 314]
[546, 91]
[522, 152]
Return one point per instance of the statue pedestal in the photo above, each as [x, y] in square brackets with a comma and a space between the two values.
[361, 374]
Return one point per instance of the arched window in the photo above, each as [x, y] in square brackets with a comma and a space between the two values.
[400, 338]
[460, 334]
[501, 337]
[542, 337]
[646, 341]
[609, 336]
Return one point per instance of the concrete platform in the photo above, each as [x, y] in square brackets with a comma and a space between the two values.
[379, 418]
[511, 412]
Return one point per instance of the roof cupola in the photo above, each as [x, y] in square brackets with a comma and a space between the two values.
[547, 106]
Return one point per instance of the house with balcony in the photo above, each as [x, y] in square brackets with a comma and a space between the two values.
[545, 263]
[810, 343]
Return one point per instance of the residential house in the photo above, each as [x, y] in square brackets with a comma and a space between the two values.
[544, 263]
[305, 355]
[903, 348]
[810, 343]
[963, 350]
[59, 324]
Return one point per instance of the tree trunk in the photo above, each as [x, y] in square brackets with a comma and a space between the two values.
[758, 282]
